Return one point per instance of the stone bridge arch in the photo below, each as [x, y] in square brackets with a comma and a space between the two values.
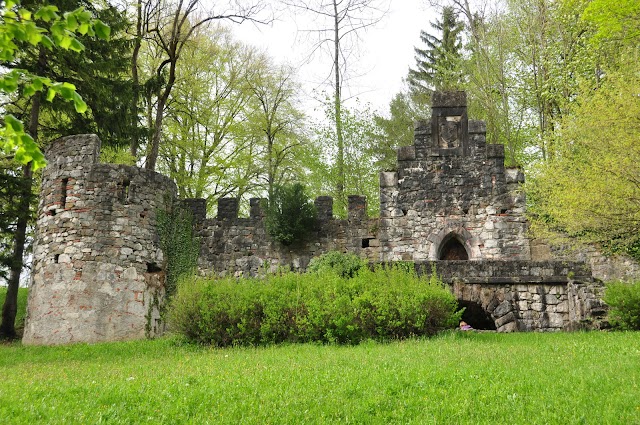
[487, 306]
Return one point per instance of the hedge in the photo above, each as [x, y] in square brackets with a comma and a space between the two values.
[379, 304]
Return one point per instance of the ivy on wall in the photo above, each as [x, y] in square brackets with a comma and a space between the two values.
[179, 243]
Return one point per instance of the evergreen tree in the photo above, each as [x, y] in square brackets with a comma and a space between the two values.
[438, 66]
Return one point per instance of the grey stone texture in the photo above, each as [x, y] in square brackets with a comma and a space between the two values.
[97, 263]
[98, 266]
[241, 246]
[527, 295]
[452, 184]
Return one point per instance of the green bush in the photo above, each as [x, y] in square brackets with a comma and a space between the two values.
[624, 304]
[291, 215]
[344, 265]
[383, 304]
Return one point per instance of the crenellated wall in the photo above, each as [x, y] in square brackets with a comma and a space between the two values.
[97, 263]
[98, 270]
[241, 246]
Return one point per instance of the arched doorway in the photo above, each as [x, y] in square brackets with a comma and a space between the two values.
[452, 249]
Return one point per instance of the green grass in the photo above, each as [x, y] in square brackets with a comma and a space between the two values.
[22, 304]
[470, 378]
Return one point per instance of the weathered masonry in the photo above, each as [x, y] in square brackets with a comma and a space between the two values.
[97, 263]
[98, 272]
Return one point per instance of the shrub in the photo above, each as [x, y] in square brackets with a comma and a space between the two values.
[383, 304]
[291, 215]
[344, 265]
[624, 304]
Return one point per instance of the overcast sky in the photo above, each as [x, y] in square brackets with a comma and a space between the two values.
[385, 52]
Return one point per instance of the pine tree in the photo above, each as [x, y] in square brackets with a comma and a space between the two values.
[438, 66]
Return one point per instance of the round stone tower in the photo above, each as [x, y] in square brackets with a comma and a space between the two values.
[97, 264]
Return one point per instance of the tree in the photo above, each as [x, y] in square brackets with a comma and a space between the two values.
[18, 26]
[170, 26]
[591, 188]
[277, 119]
[438, 67]
[365, 157]
[398, 128]
[213, 151]
[99, 74]
[291, 215]
[340, 23]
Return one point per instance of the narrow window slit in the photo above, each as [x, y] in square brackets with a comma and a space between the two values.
[63, 193]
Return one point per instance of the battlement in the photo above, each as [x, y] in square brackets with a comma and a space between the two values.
[98, 270]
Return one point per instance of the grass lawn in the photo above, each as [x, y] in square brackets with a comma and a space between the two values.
[474, 378]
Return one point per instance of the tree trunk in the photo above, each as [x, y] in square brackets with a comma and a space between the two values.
[135, 138]
[10, 307]
[338, 114]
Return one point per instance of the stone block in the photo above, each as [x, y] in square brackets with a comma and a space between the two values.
[509, 327]
[406, 153]
[388, 179]
[507, 318]
[502, 309]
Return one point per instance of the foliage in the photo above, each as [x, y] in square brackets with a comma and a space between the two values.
[179, 244]
[17, 25]
[22, 304]
[383, 304]
[438, 67]
[397, 129]
[343, 265]
[100, 74]
[366, 152]
[624, 305]
[590, 189]
[11, 189]
[291, 215]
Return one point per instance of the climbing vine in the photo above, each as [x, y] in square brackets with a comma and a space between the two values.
[179, 243]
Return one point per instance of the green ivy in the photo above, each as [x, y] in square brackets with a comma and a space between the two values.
[179, 243]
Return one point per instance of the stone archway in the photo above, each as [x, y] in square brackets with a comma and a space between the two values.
[454, 243]
[452, 249]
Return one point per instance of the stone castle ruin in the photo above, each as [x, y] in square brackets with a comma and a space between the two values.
[98, 266]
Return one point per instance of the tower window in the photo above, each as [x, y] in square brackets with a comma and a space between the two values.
[63, 192]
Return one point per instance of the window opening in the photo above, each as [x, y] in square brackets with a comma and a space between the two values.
[63, 192]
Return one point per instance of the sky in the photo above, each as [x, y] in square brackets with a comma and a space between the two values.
[384, 53]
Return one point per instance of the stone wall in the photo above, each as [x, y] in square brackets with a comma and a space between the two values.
[97, 263]
[452, 189]
[604, 267]
[523, 295]
[241, 246]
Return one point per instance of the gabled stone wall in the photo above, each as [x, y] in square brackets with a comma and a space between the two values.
[452, 187]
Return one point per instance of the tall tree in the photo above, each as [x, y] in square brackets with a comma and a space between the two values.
[277, 120]
[170, 26]
[439, 65]
[212, 150]
[339, 23]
